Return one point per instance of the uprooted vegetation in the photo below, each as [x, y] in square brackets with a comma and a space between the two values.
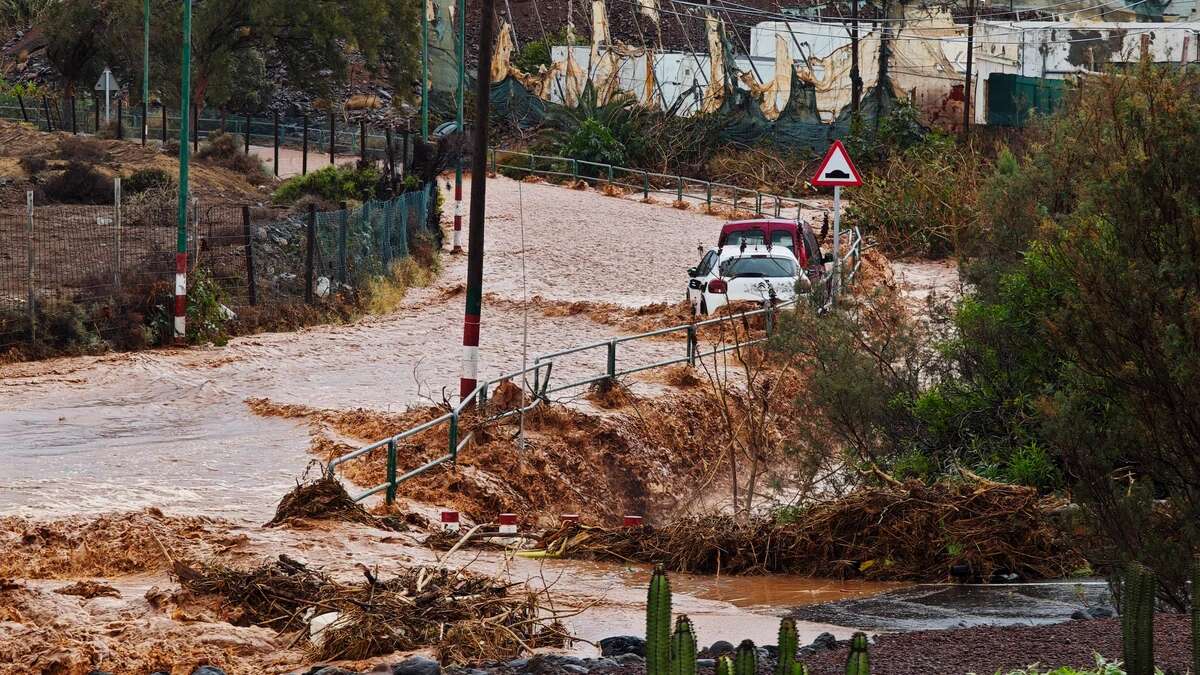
[467, 617]
[324, 498]
[903, 532]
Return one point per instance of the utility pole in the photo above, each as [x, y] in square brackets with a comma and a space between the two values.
[967, 85]
[855, 77]
[462, 87]
[470, 366]
[145, 70]
[181, 240]
[425, 70]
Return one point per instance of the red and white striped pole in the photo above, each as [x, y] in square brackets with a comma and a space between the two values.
[450, 521]
[632, 521]
[508, 523]
[458, 211]
[181, 298]
[470, 363]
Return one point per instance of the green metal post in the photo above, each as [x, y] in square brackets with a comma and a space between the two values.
[181, 238]
[454, 438]
[574, 170]
[493, 160]
[757, 203]
[145, 69]
[610, 173]
[691, 345]
[612, 359]
[391, 472]
[708, 195]
[645, 185]
[424, 71]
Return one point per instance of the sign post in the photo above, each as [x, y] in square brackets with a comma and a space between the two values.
[837, 171]
[108, 84]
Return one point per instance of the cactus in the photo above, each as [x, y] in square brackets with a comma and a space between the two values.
[745, 660]
[724, 666]
[683, 648]
[788, 643]
[658, 624]
[799, 669]
[1137, 619]
[859, 661]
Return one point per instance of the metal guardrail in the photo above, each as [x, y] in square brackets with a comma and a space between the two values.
[542, 368]
[649, 182]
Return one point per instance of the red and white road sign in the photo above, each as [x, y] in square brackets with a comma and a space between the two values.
[836, 169]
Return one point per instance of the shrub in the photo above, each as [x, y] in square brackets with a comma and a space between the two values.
[82, 149]
[32, 165]
[79, 184]
[147, 179]
[333, 184]
[594, 142]
[223, 149]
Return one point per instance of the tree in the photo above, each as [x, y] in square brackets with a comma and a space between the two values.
[232, 40]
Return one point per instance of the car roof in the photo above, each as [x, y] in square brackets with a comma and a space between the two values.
[735, 251]
[758, 224]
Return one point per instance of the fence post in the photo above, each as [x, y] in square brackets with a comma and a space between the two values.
[574, 170]
[249, 120]
[389, 208]
[645, 185]
[343, 230]
[612, 359]
[120, 120]
[610, 173]
[453, 438]
[757, 203]
[145, 121]
[310, 253]
[532, 164]
[708, 195]
[165, 123]
[30, 302]
[275, 133]
[24, 114]
[390, 497]
[391, 157]
[95, 112]
[404, 207]
[777, 208]
[251, 288]
[493, 160]
[332, 138]
[46, 112]
[679, 189]
[117, 224]
[304, 152]
[74, 121]
[362, 141]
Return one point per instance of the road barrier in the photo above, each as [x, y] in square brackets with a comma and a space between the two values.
[647, 182]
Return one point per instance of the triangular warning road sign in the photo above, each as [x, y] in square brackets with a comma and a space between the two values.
[837, 169]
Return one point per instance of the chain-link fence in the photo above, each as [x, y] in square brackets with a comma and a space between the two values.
[73, 274]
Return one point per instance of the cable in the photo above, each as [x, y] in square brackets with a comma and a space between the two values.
[524, 318]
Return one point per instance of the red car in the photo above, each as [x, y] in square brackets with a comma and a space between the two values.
[778, 232]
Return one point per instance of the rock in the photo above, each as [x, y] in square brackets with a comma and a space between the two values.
[322, 287]
[208, 670]
[771, 651]
[333, 670]
[622, 644]
[593, 664]
[824, 641]
[417, 665]
[1082, 615]
[630, 659]
[518, 664]
[279, 240]
[720, 647]
[572, 668]
[706, 663]
[1102, 612]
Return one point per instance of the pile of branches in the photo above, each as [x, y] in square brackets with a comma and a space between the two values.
[903, 532]
[468, 618]
[326, 499]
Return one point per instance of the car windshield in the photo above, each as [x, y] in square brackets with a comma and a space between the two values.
[750, 237]
[758, 266]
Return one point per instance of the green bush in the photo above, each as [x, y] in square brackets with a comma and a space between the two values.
[224, 149]
[536, 53]
[143, 180]
[332, 184]
[594, 142]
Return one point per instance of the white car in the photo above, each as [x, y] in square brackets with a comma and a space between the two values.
[747, 272]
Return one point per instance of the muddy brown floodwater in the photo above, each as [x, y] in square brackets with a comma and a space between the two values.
[170, 429]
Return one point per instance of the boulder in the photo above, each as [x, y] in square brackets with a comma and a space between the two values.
[622, 644]
[417, 665]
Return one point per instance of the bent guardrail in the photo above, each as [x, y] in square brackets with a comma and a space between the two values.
[541, 370]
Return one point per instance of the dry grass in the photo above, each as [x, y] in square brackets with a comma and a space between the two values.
[386, 293]
[610, 190]
[610, 395]
[680, 375]
[681, 205]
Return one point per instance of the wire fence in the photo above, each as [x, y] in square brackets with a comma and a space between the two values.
[329, 135]
[72, 273]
